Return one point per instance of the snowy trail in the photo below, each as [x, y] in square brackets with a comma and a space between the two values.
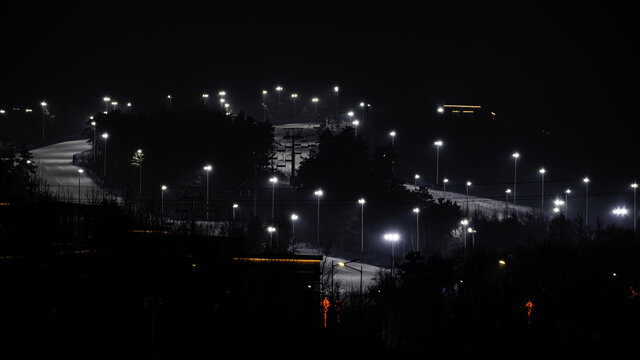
[55, 166]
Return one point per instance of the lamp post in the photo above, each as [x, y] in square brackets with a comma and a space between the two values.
[416, 177]
[93, 147]
[416, 211]
[515, 156]
[294, 96]
[105, 136]
[343, 264]
[273, 180]
[361, 201]
[106, 100]
[362, 105]
[233, 211]
[205, 97]
[279, 90]
[169, 98]
[207, 169]
[129, 106]
[465, 222]
[271, 229]
[620, 213]
[114, 105]
[438, 144]
[586, 200]
[336, 90]
[44, 106]
[558, 203]
[393, 239]
[444, 184]
[634, 186]
[468, 184]
[163, 188]
[318, 193]
[315, 105]
[566, 203]
[506, 203]
[264, 105]
[393, 137]
[80, 171]
[472, 231]
[542, 172]
[294, 217]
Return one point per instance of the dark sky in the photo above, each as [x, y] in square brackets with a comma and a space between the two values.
[562, 78]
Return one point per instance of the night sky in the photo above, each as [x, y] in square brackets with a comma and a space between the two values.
[561, 79]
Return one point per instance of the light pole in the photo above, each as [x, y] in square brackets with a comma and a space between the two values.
[361, 201]
[566, 202]
[506, 203]
[205, 97]
[138, 159]
[472, 231]
[393, 137]
[106, 100]
[105, 136]
[468, 184]
[586, 200]
[169, 98]
[542, 172]
[315, 105]
[318, 193]
[558, 203]
[93, 126]
[279, 90]
[393, 239]
[465, 222]
[416, 211]
[222, 103]
[336, 90]
[43, 105]
[129, 106]
[207, 169]
[444, 184]
[362, 105]
[515, 156]
[343, 264]
[80, 171]
[233, 211]
[163, 188]
[620, 213]
[294, 217]
[264, 105]
[438, 144]
[271, 229]
[634, 186]
[294, 96]
[416, 177]
[273, 180]
[114, 105]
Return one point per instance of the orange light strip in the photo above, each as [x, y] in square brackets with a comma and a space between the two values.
[464, 106]
[253, 259]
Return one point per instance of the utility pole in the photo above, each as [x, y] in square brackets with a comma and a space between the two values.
[292, 134]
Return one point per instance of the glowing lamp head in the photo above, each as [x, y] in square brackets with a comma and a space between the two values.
[294, 217]
[43, 104]
[464, 222]
[508, 191]
[361, 104]
[315, 100]
[264, 92]
[445, 180]
[361, 201]
[235, 206]
[468, 183]
[273, 180]
[586, 180]
[392, 237]
[416, 210]
[350, 113]
[438, 143]
[355, 122]
[620, 211]
[168, 96]
[271, 229]
[568, 191]
[106, 99]
[294, 95]
[336, 89]
[542, 171]
[416, 176]
[279, 88]
[440, 109]
[207, 168]
[93, 123]
[634, 185]
[205, 95]
[392, 133]
[80, 171]
[318, 193]
[222, 93]
[163, 187]
[515, 155]
[105, 136]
